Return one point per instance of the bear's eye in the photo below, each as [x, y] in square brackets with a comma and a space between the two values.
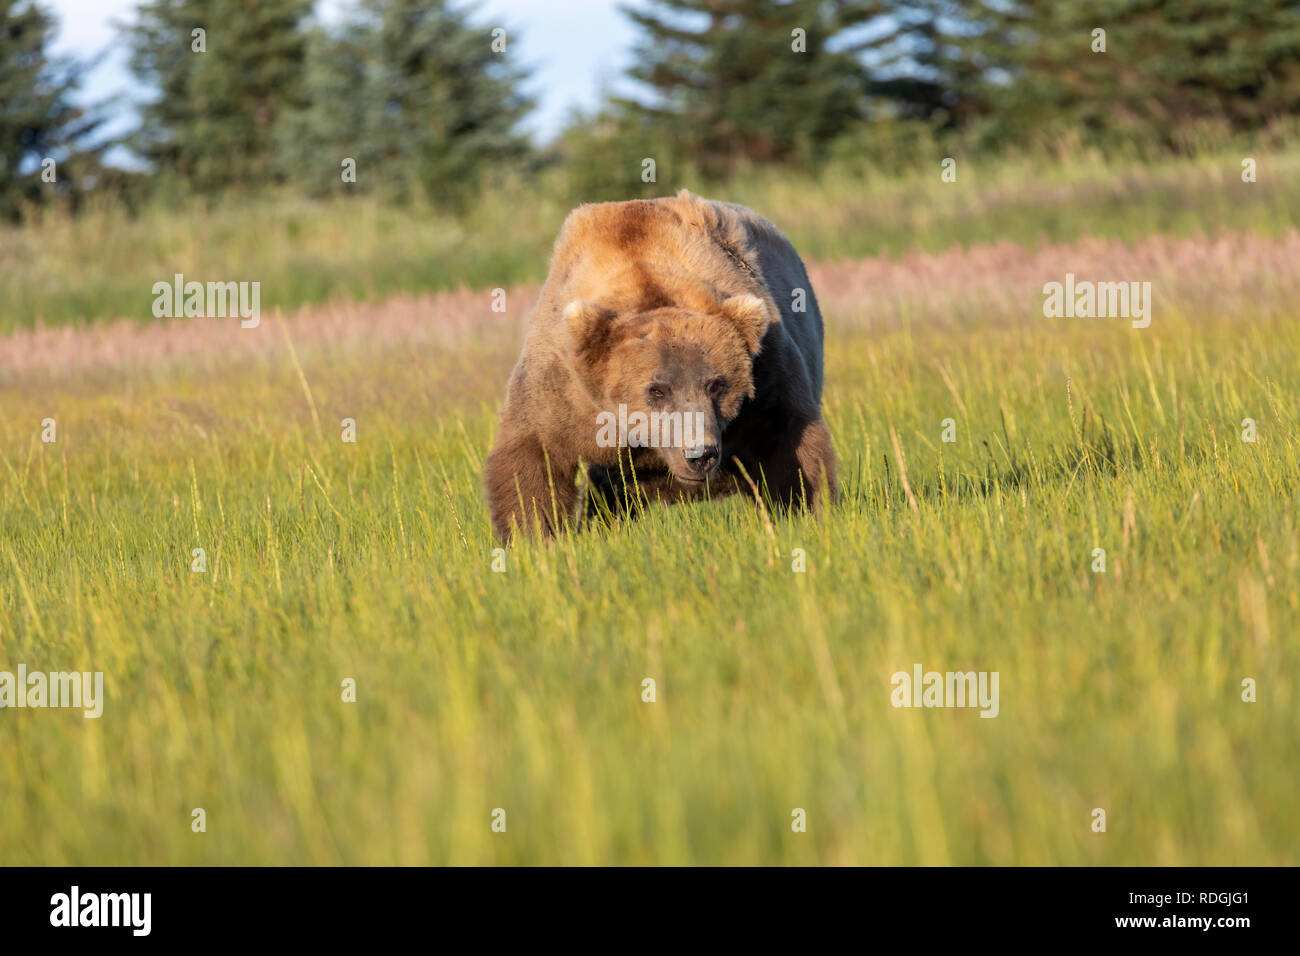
[657, 392]
[717, 387]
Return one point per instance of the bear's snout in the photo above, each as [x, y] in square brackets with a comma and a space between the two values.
[702, 459]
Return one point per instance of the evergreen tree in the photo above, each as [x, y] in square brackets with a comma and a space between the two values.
[763, 80]
[423, 99]
[330, 125]
[443, 104]
[1165, 64]
[918, 68]
[38, 120]
[221, 90]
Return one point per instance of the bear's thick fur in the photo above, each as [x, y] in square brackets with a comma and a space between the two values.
[664, 306]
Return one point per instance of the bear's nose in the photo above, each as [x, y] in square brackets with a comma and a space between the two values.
[702, 459]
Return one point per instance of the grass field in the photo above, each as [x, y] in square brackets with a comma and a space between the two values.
[522, 690]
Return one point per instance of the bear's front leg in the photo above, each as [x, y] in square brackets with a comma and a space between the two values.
[796, 466]
[816, 458]
[526, 489]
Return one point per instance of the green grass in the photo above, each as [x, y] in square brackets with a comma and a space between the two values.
[522, 690]
[63, 269]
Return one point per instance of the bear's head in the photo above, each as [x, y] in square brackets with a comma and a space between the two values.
[680, 375]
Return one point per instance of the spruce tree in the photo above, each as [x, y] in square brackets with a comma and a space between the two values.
[425, 100]
[330, 125]
[763, 80]
[1165, 65]
[917, 66]
[221, 91]
[38, 119]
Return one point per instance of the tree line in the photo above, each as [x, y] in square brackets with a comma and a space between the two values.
[427, 97]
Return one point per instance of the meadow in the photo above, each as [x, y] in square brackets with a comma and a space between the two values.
[522, 689]
[101, 263]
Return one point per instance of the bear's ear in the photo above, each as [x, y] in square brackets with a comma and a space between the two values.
[588, 323]
[749, 314]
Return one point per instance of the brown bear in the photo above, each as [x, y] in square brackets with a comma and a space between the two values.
[676, 349]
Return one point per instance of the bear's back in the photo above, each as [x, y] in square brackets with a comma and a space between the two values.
[682, 251]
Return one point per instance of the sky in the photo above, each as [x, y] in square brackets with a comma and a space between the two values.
[574, 47]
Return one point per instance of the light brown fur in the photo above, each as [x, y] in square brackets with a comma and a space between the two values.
[684, 292]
